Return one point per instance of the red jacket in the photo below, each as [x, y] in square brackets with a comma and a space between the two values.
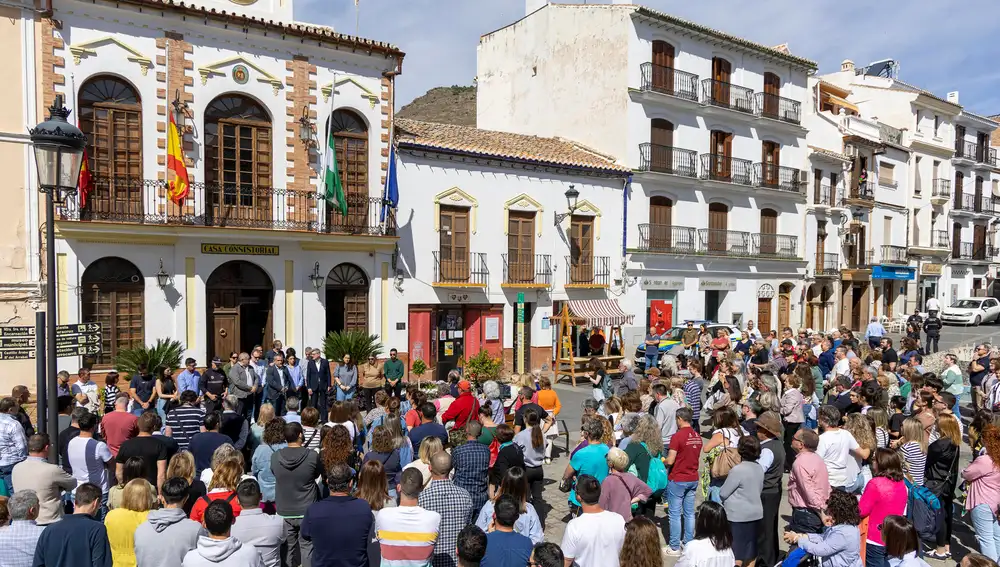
[465, 408]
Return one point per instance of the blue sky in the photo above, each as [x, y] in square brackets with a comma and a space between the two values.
[942, 46]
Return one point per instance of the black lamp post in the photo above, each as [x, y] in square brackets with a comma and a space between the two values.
[59, 149]
[572, 196]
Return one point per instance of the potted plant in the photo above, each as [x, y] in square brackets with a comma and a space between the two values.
[358, 344]
[418, 368]
[483, 367]
[164, 352]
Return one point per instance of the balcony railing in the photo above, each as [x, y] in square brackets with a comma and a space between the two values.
[724, 242]
[861, 260]
[779, 108]
[939, 239]
[828, 264]
[890, 135]
[941, 188]
[726, 168]
[668, 80]
[588, 270]
[823, 194]
[667, 159]
[777, 177]
[864, 192]
[974, 204]
[667, 238]
[784, 246]
[973, 251]
[726, 95]
[525, 269]
[894, 255]
[144, 201]
[470, 269]
[965, 149]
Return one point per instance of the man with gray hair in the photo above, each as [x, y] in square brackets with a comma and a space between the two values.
[242, 384]
[452, 502]
[234, 424]
[19, 540]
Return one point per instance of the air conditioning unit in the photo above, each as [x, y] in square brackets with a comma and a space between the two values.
[803, 177]
[850, 151]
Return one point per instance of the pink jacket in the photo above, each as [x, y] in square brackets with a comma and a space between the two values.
[984, 483]
[882, 497]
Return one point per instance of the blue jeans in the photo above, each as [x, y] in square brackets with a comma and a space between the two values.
[987, 531]
[678, 494]
[651, 360]
[343, 396]
[874, 555]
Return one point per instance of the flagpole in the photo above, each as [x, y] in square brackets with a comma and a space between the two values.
[357, 17]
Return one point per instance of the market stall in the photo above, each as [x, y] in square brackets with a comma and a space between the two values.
[596, 314]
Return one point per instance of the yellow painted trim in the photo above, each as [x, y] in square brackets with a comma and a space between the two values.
[458, 198]
[189, 291]
[384, 303]
[351, 244]
[212, 70]
[524, 285]
[62, 289]
[586, 286]
[527, 204]
[587, 208]
[290, 302]
[88, 48]
[327, 89]
[457, 285]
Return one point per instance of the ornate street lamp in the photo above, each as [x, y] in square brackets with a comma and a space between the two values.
[162, 277]
[58, 149]
[315, 277]
[572, 196]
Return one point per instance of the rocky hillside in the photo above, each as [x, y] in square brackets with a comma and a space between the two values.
[443, 105]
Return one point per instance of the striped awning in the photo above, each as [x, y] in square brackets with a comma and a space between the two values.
[600, 312]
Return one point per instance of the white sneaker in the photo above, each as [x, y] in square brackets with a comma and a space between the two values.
[671, 551]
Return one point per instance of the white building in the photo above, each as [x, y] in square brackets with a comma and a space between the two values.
[483, 219]
[252, 254]
[709, 123]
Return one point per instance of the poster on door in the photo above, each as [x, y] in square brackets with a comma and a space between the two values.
[661, 315]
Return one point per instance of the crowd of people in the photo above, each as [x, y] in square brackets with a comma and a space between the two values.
[269, 461]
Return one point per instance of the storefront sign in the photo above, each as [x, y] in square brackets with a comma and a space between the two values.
[667, 284]
[930, 269]
[893, 273]
[239, 249]
[716, 285]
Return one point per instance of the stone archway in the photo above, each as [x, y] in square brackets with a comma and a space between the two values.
[239, 299]
[765, 294]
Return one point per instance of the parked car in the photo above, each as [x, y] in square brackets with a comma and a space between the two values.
[972, 311]
[672, 338]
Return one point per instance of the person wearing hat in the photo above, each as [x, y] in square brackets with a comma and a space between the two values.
[464, 409]
[772, 460]
[214, 384]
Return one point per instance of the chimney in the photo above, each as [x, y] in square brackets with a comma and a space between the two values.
[531, 6]
[847, 65]
[953, 97]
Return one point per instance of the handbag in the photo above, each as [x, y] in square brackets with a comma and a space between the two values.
[567, 484]
[725, 461]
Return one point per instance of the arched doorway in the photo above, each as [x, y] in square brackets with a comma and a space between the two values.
[346, 299]
[239, 296]
[350, 137]
[112, 293]
[765, 293]
[784, 305]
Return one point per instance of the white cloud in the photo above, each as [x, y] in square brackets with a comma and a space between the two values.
[941, 46]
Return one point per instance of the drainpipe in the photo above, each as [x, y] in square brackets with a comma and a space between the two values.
[625, 191]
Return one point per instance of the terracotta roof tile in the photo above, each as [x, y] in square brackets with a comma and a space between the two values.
[505, 145]
[830, 153]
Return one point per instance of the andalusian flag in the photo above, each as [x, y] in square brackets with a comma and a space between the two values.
[180, 184]
[333, 188]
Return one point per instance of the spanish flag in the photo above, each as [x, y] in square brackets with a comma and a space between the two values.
[180, 184]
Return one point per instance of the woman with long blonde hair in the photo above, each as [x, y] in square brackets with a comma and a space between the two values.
[265, 415]
[913, 448]
[223, 487]
[181, 465]
[122, 522]
[429, 447]
[863, 430]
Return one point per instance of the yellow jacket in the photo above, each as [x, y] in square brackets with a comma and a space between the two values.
[121, 525]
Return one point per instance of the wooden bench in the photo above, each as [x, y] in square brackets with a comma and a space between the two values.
[576, 366]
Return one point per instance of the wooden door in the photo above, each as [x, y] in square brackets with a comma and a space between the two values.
[959, 180]
[956, 241]
[784, 309]
[356, 310]
[770, 159]
[661, 210]
[663, 66]
[521, 247]
[115, 161]
[772, 86]
[454, 244]
[982, 147]
[763, 314]
[661, 136]
[226, 326]
[862, 248]
[979, 195]
[582, 249]
[722, 149]
[959, 140]
[718, 223]
[241, 193]
[768, 231]
[979, 242]
[721, 71]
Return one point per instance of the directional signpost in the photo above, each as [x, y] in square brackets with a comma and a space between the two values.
[81, 339]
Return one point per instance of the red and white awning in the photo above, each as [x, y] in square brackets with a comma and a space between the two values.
[600, 312]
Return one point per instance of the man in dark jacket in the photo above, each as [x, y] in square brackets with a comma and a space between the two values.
[78, 540]
[277, 382]
[318, 382]
[295, 470]
[213, 384]
[932, 326]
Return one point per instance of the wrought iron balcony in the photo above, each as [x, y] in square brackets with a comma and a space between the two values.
[527, 270]
[667, 159]
[726, 95]
[782, 246]
[455, 269]
[668, 239]
[779, 108]
[965, 149]
[973, 204]
[719, 242]
[828, 264]
[144, 201]
[976, 251]
[864, 192]
[668, 80]
[941, 188]
[726, 168]
[777, 177]
[894, 255]
[939, 239]
[824, 195]
[861, 260]
[583, 270]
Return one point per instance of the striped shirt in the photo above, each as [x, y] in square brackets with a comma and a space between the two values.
[692, 394]
[13, 443]
[18, 542]
[184, 422]
[407, 535]
[914, 461]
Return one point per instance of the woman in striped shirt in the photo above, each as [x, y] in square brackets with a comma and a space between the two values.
[913, 447]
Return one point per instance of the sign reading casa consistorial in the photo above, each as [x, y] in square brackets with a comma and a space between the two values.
[239, 249]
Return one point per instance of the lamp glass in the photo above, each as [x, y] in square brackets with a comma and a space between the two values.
[162, 278]
[304, 131]
[70, 160]
[46, 157]
[572, 195]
